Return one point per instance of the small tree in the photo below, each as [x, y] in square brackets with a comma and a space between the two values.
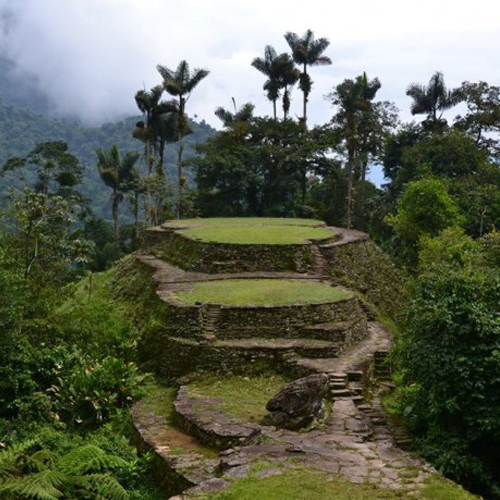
[424, 209]
[117, 173]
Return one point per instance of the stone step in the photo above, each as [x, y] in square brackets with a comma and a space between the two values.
[336, 331]
[355, 375]
[343, 393]
[337, 385]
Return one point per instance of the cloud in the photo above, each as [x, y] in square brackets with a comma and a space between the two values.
[91, 56]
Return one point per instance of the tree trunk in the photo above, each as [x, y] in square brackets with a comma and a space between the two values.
[136, 219]
[182, 118]
[149, 200]
[274, 110]
[350, 182]
[286, 103]
[116, 223]
[304, 186]
[179, 177]
[305, 100]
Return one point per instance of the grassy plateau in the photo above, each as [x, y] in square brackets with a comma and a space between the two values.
[260, 292]
[242, 397]
[253, 230]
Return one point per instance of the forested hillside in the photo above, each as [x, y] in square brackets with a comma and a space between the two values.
[21, 129]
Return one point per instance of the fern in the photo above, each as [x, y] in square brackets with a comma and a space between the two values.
[82, 470]
[88, 459]
[9, 458]
[107, 487]
[40, 486]
[43, 459]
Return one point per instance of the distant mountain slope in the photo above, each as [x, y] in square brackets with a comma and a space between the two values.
[22, 128]
[20, 89]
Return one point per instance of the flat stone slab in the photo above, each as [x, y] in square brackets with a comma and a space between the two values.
[202, 418]
[175, 471]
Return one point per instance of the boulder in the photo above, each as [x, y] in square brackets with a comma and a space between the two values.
[298, 404]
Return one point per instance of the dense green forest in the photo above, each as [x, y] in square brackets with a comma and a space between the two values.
[22, 128]
[68, 374]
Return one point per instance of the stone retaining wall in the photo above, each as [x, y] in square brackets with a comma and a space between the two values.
[362, 266]
[174, 357]
[213, 257]
[287, 317]
[259, 321]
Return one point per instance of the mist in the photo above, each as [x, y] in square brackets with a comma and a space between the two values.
[89, 57]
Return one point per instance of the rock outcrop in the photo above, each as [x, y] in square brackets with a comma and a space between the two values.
[299, 403]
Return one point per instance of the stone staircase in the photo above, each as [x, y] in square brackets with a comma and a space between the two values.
[319, 262]
[382, 369]
[209, 318]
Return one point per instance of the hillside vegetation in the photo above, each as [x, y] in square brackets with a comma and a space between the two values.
[21, 129]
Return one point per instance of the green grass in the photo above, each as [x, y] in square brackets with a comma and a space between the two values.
[91, 314]
[241, 292]
[245, 221]
[242, 397]
[264, 235]
[306, 484]
[254, 230]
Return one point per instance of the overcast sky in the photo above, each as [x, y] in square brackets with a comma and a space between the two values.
[91, 56]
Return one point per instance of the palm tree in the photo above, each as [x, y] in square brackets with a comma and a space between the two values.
[269, 67]
[236, 122]
[157, 113]
[230, 118]
[432, 100]
[117, 173]
[287, 78]
[151, 131]
[354, 99]
[307, 51]
[180, 83]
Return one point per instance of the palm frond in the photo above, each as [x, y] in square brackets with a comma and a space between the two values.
[197, 76]
[165, 73]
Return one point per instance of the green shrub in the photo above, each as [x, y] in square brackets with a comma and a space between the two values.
[449, 352]
[91, 391]
[424, 209]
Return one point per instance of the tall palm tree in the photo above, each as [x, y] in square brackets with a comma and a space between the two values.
[151, 130]
[432, 100]
[268, 66]
[156, 112]
[117, 173]
[180, 83]
[287, 77]
[307, 51]
[354, 99]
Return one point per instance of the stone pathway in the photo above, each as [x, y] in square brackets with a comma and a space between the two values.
[355, 441]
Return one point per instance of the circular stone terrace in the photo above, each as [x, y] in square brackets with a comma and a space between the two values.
[259, 292]
[245, 244]
[253, 230]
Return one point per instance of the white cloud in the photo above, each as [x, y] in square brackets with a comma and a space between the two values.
[92, 55]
